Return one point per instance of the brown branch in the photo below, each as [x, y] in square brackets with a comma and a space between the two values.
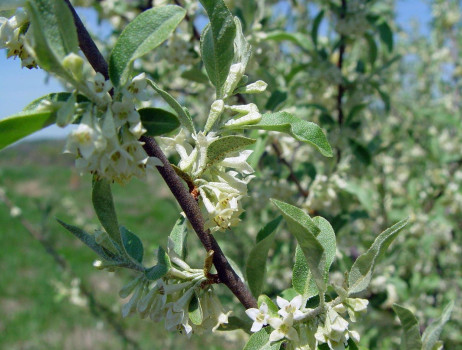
[226, 273]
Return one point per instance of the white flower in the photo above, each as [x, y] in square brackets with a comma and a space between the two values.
[335, 331]
[138, 88]
[292, 307]
[283, 329]
[260, 317]
[239, 162]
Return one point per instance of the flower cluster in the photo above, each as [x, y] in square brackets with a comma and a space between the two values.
[306, 328]
[13, 37]
[171, 299]
[106, 143]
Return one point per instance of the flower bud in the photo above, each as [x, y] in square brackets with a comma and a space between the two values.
[254, 88]
[74, 63]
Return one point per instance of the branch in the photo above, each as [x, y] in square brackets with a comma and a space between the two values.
[226, 273]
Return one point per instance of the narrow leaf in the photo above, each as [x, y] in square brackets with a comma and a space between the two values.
[299, 129]
[326, 237]
[147, 31]
[361, 272]
[256, 262]
[410, 339]
[195, 310]
[315, 29]
[305, 231]
[386, 35]
[182, 114]
[132, 244]
[298, 39]
[236, 323]
[104, 208]
[158, 121]
[372, 48]
[302, 281]
[433, 331]
[217, 42]
[179, 237]
[222, 147]
[89, 241]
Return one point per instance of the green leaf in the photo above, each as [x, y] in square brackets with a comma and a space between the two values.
[20, 125]
[222, 147]
[67, 29]
[372, 48]
[410, 339]
[386, 35]
[54, 98]
[217, 42]
[360, 152]
[182, 113]
[256, 262]
[272, 307]
[104, 208]
[132, 244]
[161, 268]
[147, 31]
[361, 272]
[298, 39]
[433, 331]
[315, 29]
[305, 231]
[89, 241]
[301, 276]
[277, 97]
[158, 121]
[299, 129]
[260, 341]
[195, 310]
[179, 237]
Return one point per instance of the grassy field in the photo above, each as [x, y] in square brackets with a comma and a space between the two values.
[37, 307]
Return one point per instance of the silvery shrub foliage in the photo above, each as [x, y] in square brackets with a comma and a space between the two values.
[237, 109]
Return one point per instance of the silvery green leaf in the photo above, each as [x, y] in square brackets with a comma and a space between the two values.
[361, 272]
[299, 129]
[217, 43]
[222, 147]
[147, 31]
[104, 208]
[89, 241]
[260, 341]
[302, 281]
[182, 113]
[132, 245]
[410, 339]
[432, 334]
[305, 231]
[256, 262]
[179, 237]
[195, 310]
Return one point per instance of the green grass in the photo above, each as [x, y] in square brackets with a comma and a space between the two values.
[45, 185]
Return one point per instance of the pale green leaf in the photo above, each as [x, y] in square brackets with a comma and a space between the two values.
[361, 272]
[260, 341]
[272, 307]
[410, 339]
[104, 208]
[256, 262]
[161, 268]
[432, 333]
[305, 231]
[301, 276]
[222, 147]
[195, 310]
[217, 42]
[147, 31]
[299, 129]
[179, 237]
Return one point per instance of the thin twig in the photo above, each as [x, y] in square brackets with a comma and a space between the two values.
[226, 273]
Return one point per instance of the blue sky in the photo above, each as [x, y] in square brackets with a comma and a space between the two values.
[32, 84]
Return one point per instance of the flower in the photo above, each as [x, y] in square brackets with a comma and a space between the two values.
[260, 317]
[283, 329]
[335, 331]
[292, 307]
[138, 88]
